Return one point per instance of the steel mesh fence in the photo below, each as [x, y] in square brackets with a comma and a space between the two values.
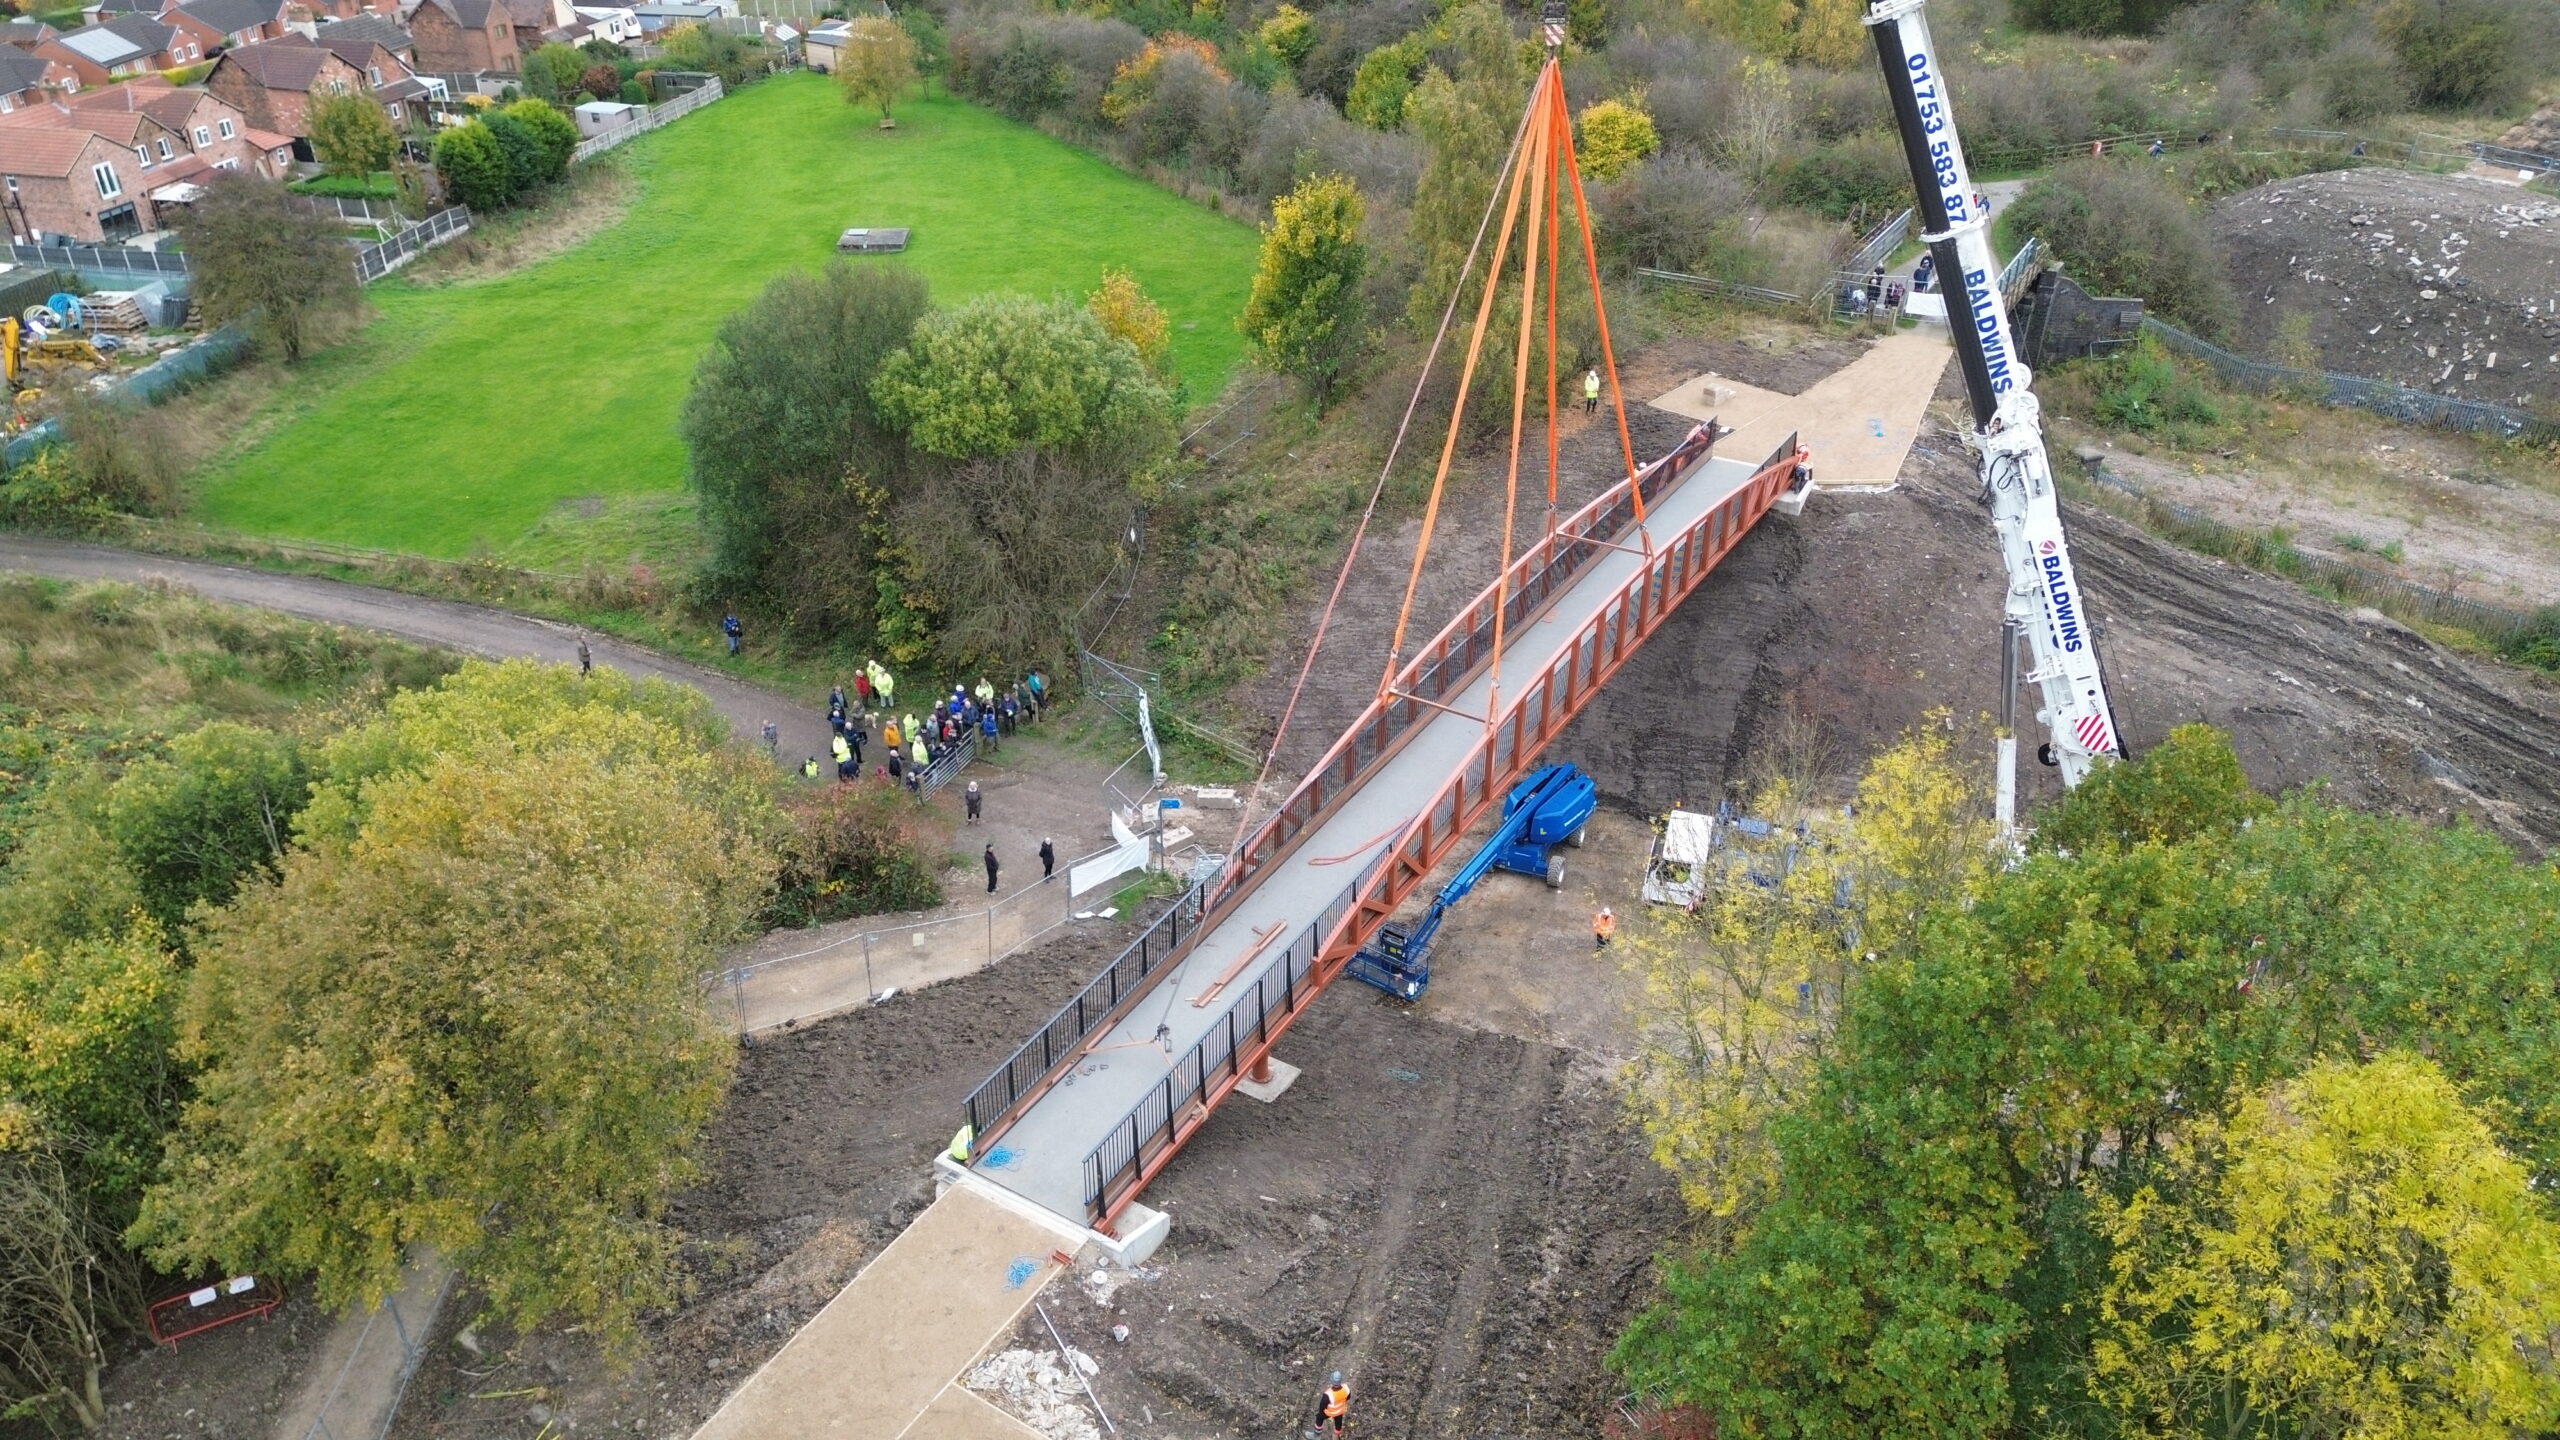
[2382, 397]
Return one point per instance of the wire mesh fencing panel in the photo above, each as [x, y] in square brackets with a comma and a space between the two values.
[364, 1395]
[100, 257]
[846, 964]
[375, 261]
[2382, 397]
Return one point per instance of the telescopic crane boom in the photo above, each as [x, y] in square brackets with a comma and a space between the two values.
[2017, 479]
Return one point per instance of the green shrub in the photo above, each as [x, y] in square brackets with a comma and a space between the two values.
[1862, 178]
[853, 850]
[2149, 391]
[2122, 227]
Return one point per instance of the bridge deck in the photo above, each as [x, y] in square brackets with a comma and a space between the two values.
[1041, 1155]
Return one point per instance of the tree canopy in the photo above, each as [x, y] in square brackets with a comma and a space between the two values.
[261, 256]
[877, 64]
[1933, 1252]
[484, 961]
[1305, 314]
[1001, 372]
[350, 133]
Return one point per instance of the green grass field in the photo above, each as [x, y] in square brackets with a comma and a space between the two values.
[464, 414]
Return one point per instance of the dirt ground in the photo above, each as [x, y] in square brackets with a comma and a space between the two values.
[233, 1383]
[2446, 283]
[2469, 517]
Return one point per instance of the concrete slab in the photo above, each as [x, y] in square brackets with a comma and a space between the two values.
[875, 1360]
[1860, 421]
[962, 1414]
[1283, 1075]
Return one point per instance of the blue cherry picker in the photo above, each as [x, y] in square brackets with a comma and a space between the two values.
[1542, 812]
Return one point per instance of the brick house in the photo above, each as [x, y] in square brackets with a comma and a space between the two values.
[465, 37]
[232, 23]
[203, 124]
[27, 78]
[118, 47]
[386, 33]
[272, 84]
[63, 181]
[25, 32]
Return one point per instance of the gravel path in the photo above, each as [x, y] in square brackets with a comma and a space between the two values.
[452, 624]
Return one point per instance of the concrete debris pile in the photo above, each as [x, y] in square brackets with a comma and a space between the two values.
[1037, 1390]
[2541, 134]
[2439, 282]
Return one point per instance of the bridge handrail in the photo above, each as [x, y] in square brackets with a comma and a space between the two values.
[1021, 1076]
[1115, 1169]
[1115, 1163]
[1451, 658]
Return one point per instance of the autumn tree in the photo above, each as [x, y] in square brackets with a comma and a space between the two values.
[486, 961]
[216, 809]
[1616, 136]
[1742, 998]
[262, 257]
[1304, 316]
[1932, 1255]
[2352, 1254]
[1127, 311]
[350, 133]
[1001, 372]
[877, 65]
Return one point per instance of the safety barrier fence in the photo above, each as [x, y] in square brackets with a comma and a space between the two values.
[1220, 1057]
[838, 973]
[2498, 624]
[2382, 397]
[1708, 285]
[1120, 686]
[1139, 1145]
[359, 1406]
[100, 257]
[1872, 252]
[1030, 1068]
[939, 770]
[646, 121]
[375, 261]
[2022, 268]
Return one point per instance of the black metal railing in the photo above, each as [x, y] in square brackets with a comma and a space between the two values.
[1040, 1057]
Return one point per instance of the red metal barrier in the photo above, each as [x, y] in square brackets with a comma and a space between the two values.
[192, 1312]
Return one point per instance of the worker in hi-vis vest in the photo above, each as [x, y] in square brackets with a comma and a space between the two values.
[1333, 1405]
[1603, 925]
[960, 1143]
[1590, 392]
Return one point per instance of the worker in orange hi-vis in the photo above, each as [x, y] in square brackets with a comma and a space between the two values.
[1603, 925]
[1333, 1405]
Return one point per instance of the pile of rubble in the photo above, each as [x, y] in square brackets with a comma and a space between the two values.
[1038, 1391]
[2541, 134]
[2440, 282]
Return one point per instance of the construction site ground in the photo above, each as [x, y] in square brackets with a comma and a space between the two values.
[1448, 1203]
[2445, 283]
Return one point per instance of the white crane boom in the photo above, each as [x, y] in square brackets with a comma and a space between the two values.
[2044, 594]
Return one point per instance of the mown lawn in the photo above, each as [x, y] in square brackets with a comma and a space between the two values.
[464, 414]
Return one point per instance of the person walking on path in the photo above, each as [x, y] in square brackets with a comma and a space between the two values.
[1048, 858]
[971, 797]
[1591, 392]
[809, 768]
[586, 659]
[916, 755]
[773, 739]
[991, 869]
[1603, 925]
[730, 627]
[1333, 1405]
[846, 766]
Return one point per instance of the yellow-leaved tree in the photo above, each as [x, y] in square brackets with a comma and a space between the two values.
[2351, 1254]
[1741, 999]
[1128, 311]
[469, 1014]
[877, 65]
[1616, 136]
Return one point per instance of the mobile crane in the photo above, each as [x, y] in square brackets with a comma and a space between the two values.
[2017, 479]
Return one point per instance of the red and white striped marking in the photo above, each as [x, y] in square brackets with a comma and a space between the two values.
[2092, 731]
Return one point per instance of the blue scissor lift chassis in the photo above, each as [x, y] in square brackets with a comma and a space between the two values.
[1546, 810]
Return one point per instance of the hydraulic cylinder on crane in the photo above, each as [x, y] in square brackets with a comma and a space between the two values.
[2044, 600]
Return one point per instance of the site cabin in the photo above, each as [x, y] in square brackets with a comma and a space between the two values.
[1695, 853]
